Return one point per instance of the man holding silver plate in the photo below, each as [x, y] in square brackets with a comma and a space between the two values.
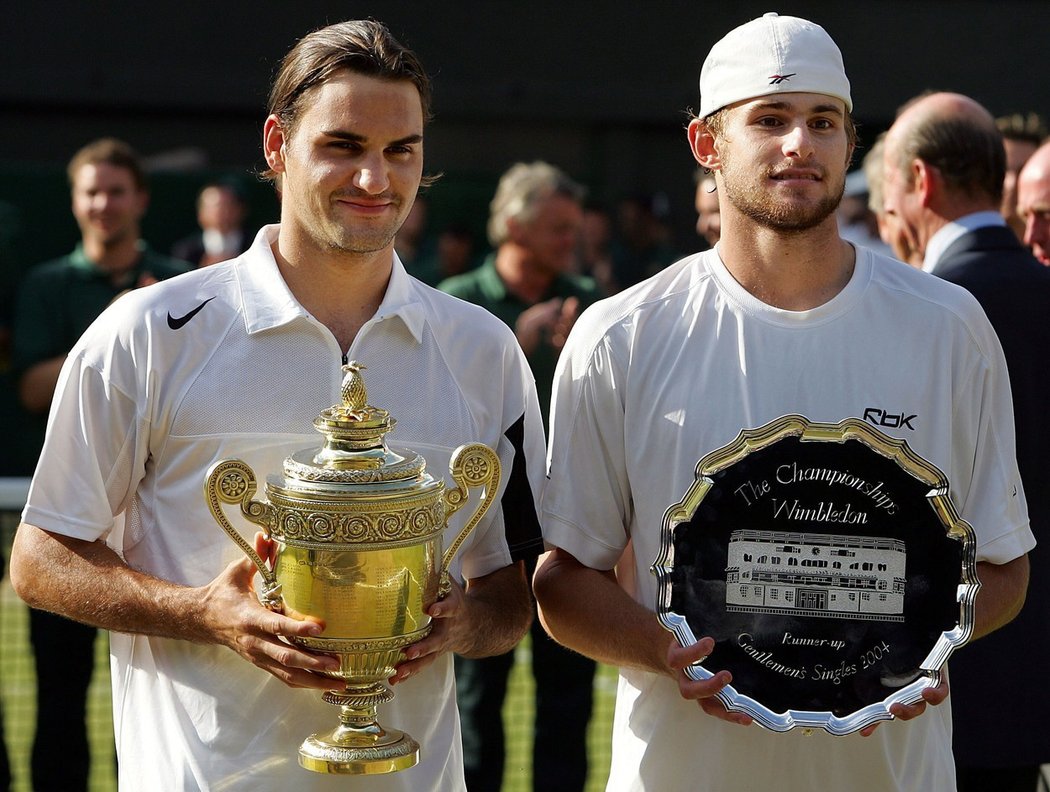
[241, 360]
[771, 427]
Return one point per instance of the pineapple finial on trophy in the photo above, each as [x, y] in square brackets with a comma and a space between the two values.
[355, 396]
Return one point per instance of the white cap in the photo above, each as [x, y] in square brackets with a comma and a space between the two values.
[769, 55]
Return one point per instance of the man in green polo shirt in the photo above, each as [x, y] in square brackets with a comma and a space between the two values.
[56, 302]
[534, 225]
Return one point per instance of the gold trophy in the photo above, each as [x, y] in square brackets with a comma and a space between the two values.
[358, 532]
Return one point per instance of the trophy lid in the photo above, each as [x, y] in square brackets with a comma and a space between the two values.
[354, 449]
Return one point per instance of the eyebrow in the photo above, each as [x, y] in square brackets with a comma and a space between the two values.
[356, 138]
[821, 108]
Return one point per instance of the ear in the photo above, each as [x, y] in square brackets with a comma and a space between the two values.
[515, 230]
[702, 144]
[273, 143]
[927, 181]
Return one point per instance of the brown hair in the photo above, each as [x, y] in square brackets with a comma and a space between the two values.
[113, 152]
[364, 46]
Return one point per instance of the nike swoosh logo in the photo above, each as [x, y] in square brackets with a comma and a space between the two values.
[176, 324]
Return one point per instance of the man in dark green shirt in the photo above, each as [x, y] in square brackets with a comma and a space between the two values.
[56, 302]
[534, 225]
[528, 282]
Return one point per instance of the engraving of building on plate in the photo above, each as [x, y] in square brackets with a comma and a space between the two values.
[808, 574]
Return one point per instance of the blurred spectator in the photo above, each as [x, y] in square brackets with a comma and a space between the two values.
[20, 451]
[1033, 202]
[708, 218]
[641, 245]
[453, 253]
[221, 212]
[534, 224]
[889, 227]
[409, 242]
[455, 250]
[594, 257]
[944, 177]
[857, 222]
[1022, 135]
[56, 302]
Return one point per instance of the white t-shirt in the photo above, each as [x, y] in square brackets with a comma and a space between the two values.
[655, 378]
[148, 400]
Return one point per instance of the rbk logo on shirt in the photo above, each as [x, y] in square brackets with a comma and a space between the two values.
[889, 419]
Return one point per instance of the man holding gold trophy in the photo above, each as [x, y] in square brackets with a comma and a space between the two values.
[783, 323]
[237, 360]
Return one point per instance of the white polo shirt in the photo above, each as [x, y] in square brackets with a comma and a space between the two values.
[653, 379]
[223, 362]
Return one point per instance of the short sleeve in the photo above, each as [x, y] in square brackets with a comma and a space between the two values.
[587, 504]
[92, 457]
[987, 485]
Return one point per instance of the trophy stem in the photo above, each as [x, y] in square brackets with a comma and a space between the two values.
[359, 745]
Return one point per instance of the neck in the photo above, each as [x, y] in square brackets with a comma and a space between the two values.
[341, 290]
[116, 257]
[529, 283]
[795, 271]
[947, 209]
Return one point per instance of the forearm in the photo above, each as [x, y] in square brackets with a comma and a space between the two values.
[88, 582]
[1002, 594]
[585, 609]
[36, 387]
[499, 612]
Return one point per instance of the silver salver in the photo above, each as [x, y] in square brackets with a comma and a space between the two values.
[830, 566]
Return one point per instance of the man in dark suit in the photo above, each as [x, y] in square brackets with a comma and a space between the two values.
[944, 167]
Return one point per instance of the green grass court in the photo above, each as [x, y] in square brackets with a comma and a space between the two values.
[17, 688]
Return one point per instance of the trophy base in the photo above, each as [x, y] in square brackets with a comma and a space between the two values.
[348, 751]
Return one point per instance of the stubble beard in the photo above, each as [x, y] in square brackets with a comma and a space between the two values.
[759, 205]
[112, 238]
[361, 238]
[345, 240]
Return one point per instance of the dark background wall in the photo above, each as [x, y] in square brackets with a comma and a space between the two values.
[599, 88]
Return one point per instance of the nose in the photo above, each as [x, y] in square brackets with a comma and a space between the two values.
[1037, 229]
[798, 142]
[372, 176]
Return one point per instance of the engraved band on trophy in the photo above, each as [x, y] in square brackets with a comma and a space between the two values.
[358, 534]
[830, 566]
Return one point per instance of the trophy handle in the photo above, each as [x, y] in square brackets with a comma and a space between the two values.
[232, 481]
[473, 465]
